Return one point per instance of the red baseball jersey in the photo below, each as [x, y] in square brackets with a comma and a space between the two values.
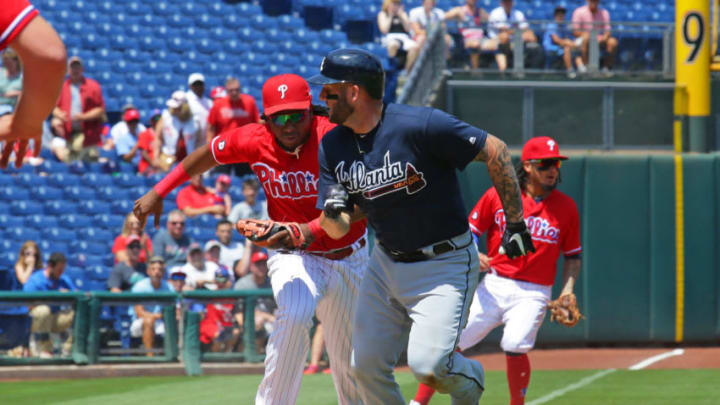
[226, 114]
[14, 17]
[217, 316]
[289, 179]
[189, 196]
[553, 222]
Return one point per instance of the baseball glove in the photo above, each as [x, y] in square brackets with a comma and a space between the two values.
[272, 235]
[564, 310]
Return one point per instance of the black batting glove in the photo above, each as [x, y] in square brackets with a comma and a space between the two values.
[516, 240]
[336, 201]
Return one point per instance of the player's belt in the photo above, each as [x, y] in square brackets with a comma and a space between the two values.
[430, 251]
[341, 253]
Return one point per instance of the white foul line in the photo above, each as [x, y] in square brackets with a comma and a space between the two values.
[558, 393]
[654, 359]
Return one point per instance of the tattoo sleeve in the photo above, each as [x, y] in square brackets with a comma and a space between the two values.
[495, 153]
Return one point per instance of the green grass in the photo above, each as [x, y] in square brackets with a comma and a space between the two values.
[646, 387]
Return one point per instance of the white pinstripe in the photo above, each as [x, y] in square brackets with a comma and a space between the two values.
[303, 284]
[18, 19]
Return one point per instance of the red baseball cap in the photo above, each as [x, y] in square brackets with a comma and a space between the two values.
[258, 256]
[541, 147]
[217, 92]
[224, 178]
[285, 92]
[131, 114]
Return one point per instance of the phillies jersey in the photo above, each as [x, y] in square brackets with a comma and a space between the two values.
[290, 179]
[553, 222]
[226, 114]
[403, 173]
[14, 16]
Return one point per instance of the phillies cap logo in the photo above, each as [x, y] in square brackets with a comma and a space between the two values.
[551, 144]
[283, 88]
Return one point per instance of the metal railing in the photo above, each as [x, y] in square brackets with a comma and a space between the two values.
[427, 71]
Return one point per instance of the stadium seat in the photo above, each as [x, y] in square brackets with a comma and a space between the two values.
[80, 193]
[93, 248]
[221, 34]
[6, 180]
[96, 234]
[74, 221]
[53, 166]
[25, 207]
[23, 234]
[93, 207]
[318, 17]
[96, 179]
[111, 222]
[122, 207]
[11, 221]
[129, 179]
[276, 7]
[40, 222]
[60, 207]
[98, 272]
[59, 234]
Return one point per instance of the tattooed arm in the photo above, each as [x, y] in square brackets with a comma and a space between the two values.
[495, 154]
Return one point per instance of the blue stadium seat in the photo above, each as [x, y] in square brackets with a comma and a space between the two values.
[221, 34]
[208, 46]
[73, 221]
[59, 234]
[290, 23]
[98, 272]
[93, 207]
[14, 194]
[94, 41]
[219, 9]
[41, 221]
[136, 8]
[23, 234]
[257, 59]
[62, 180]
[80, 193]
[53, 166]
[178, 44]
[261, 23]
[26, 208]
[60, 207]
[96, 234]
[95, 18]
[46, 193]
[93, 248]
[96, 179]
[163, 8]
[23, 180]
[122, 207]
[178, 20]
[7, 245]
[129, 179]
[6, 180]
[318, 17]
[10, 221]
[111, 222]
[248, 9]
[207, 21]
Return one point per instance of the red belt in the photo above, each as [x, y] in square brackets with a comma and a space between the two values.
[339, 254]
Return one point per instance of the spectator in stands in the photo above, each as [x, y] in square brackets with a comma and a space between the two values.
[218, 328]
[394, 25]
[80, 113]
[222, 191]
[591, 16]
[178, 132]
[125, 134]
[251, 207]
[177, 279]
[148, 164]
[29, 260]
[199, 104]
[128, 272]
[470, 18]
[231, 252]
[196, 199]
[258, 278]
[422, 18]
[172, 244]
[200, 272]
[212, 252]
[559, 42]
[131, 227]
[10, 81]
[50, 319]
[232, 112]
[148, 319]
[502, 23]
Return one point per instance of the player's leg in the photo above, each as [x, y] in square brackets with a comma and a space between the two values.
[439, 308]
[485, 315]
[296, 293]
[523, 319]
[379, 336]
[336, 311]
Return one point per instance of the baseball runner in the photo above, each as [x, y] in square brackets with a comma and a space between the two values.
[43, 56]
[321, 278]
[396, 164]
[515, 292]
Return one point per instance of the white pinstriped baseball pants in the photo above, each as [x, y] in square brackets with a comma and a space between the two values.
[304, 285]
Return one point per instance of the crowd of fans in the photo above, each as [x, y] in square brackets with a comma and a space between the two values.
[490, 34]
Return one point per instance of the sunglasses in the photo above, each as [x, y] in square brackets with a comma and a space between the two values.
[178, 277]
[177, 223]
[221, 280]
[135, 246]
[282, 119]
[29, 253]
[545, 164]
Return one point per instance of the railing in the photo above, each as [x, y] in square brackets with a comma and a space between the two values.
[87, 323]
[427, 72]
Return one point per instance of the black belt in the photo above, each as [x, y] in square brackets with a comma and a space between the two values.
[422, 254]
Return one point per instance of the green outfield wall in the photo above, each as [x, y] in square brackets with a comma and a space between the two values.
[628, 283]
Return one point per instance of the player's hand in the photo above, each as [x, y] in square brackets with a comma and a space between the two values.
[336, 201]
[150, 203]
[484, 261]
[516, 240]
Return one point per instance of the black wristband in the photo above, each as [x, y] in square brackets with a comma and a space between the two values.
[516, 227]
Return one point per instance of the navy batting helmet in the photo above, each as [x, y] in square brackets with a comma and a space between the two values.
[355, 66]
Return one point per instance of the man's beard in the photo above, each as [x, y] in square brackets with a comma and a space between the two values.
[551, 187]
[341, 112]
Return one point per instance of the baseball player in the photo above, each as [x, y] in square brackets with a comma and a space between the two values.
[515, 292]
[43, 56]
[324, 277]
[396, 164]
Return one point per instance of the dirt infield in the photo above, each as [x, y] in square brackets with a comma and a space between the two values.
[541, 359]
[604, 358]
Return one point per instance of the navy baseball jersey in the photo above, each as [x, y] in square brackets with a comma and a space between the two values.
[403, 173]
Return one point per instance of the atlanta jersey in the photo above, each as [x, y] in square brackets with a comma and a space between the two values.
[553, 223]
[403, 173]
[14, 17]
[290, 179]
